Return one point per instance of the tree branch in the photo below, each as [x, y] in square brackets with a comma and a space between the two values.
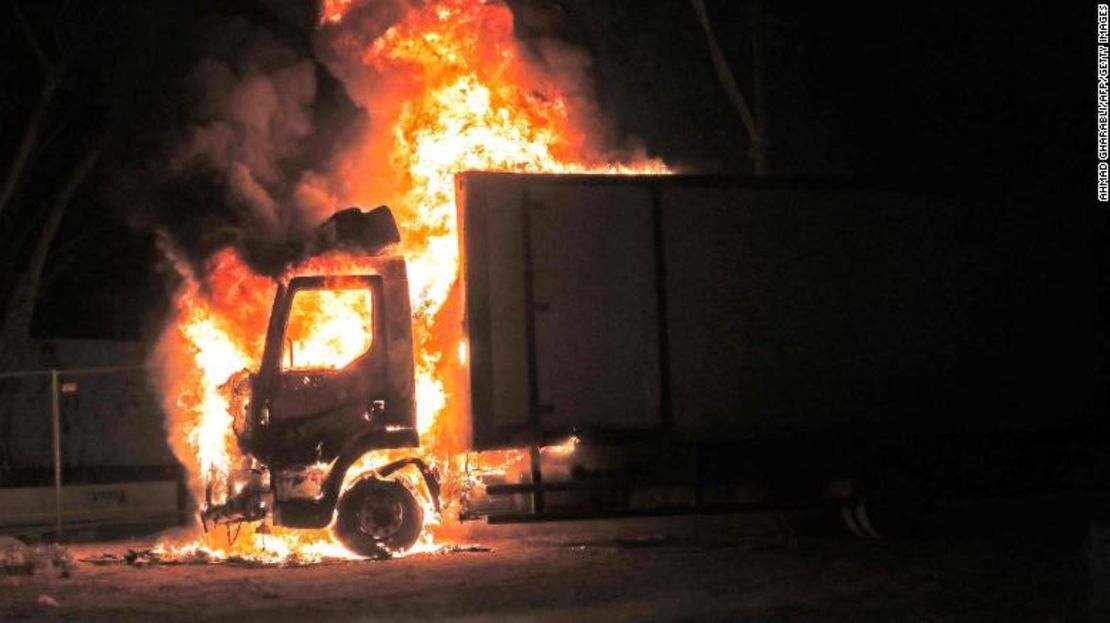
[89, 29]
[43, 145]
[728, 81]
[31, 38]
[26, 148]
[16, 325]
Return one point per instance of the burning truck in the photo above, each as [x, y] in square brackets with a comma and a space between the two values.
[709, 343]
[310, 412]
[544, 344]
[449, 88]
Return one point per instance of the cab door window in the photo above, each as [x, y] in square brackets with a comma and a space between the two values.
[327, 329]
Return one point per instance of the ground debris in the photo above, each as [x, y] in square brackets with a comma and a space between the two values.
[47, 600]
[19, 559]
[103, 560]
[660, 540]
[133, 557]
[463, 548]
[150, 557]
[15, 557]
[146, 557]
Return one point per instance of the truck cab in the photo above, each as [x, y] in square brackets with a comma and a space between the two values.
[325, 394]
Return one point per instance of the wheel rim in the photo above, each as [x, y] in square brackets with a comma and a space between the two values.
[380, 515]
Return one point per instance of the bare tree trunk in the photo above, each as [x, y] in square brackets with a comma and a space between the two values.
[759, 152]
[17, 316]
[732, 89]
[15, 330]
[27, 142]
[51, 80]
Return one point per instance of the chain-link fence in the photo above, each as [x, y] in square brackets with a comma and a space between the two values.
[83, 447]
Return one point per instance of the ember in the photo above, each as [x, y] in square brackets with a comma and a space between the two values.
[462, 95]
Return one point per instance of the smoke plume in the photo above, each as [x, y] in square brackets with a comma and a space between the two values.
[267, 139]
[247, 164]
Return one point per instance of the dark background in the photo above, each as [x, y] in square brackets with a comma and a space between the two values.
[990, 99]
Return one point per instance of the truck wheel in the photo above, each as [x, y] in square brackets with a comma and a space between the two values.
[897, 517]
[378, 518]
[857, 520]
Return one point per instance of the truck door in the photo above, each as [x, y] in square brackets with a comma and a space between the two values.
[327, 330]
[332, 365]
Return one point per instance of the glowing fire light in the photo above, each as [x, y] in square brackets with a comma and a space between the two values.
[470, 99]
[328, 329]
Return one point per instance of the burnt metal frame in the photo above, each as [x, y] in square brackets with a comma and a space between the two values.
[317, 513]
[430, 479]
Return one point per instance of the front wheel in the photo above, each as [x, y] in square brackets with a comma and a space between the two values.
[378, 517]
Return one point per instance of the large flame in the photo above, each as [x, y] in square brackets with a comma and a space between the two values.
[466, 96]
[328, 329]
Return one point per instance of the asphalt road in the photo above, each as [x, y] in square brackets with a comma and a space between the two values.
[728, 568]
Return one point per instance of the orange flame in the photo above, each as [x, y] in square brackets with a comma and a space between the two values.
[465, 96]
[328, 329]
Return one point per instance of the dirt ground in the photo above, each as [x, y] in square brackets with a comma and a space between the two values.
[726, 568]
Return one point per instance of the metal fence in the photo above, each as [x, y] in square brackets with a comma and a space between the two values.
[85, 432]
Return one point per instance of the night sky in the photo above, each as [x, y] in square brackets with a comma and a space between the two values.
[989, 99]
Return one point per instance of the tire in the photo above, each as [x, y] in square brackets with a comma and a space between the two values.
[378, 518]
[900, 516]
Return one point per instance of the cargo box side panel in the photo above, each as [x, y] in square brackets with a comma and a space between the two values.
[489, 211]
[596, 321]
[789, 309]
[760, 297]
[865, 313]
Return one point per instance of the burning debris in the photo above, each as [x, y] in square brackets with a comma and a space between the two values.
[156, 557]
[197, 556]
[447, 89]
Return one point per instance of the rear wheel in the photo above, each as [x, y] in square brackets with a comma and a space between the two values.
[891, 512]
[378, 517]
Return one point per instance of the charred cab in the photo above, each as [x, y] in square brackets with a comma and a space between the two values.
[307, 416]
